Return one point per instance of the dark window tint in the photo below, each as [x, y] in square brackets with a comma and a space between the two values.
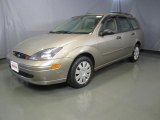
[124, 24]
[110, 24]
[134, 23]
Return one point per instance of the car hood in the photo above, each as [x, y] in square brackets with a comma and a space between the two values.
[36, 44]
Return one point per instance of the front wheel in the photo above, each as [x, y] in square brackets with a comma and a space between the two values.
[80, 72]
[135, 54]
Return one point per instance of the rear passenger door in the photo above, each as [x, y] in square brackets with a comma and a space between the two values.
[128, 35]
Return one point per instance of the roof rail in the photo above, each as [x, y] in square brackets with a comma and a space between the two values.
[123, 13]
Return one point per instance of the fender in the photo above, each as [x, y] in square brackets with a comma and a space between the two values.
[86, 49]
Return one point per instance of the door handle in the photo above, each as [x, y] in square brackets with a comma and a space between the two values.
[133, 34]
[119, 37]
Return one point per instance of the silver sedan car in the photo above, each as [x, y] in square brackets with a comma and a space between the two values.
[75, 49]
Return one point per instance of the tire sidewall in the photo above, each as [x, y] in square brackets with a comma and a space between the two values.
[138, 53]
[132, 57]
[71, 77]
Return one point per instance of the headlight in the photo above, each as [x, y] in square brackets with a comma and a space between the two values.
[46, 54]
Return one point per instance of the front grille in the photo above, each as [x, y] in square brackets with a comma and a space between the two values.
[20, 55]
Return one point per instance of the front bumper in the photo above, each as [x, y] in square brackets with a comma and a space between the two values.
[40, 72]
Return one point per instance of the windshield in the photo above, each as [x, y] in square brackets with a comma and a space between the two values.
[78, 25]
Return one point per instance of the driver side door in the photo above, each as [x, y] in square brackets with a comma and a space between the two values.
[110, 46]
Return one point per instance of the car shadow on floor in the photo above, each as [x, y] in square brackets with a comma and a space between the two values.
[45, 87]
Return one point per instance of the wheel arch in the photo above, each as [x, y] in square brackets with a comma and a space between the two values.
[138, 43]
[87, 51]
[86, 54]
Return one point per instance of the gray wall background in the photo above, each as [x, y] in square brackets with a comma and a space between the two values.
[20, 19]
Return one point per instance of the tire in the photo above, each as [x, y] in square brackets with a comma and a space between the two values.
[80, 73]
[135, 54]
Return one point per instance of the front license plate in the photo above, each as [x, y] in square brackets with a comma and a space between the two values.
[14, 66]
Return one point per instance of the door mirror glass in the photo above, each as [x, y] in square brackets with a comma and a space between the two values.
[106, 32]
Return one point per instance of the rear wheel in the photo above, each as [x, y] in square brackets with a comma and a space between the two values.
[80, 72]
[135, 54]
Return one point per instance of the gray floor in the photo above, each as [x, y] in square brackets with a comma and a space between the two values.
[123, 91]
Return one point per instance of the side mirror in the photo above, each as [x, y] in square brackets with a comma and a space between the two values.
[106, 32]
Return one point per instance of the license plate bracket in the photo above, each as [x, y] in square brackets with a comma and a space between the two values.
[14, 66]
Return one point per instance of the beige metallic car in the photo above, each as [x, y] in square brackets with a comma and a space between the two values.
[75, 49]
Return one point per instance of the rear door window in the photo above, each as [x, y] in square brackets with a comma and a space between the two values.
[123, 24]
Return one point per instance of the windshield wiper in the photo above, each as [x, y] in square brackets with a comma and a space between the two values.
[67, 32]
[61, 32]
[80, 33]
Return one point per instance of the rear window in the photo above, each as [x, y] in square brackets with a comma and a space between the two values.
[134, 23]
